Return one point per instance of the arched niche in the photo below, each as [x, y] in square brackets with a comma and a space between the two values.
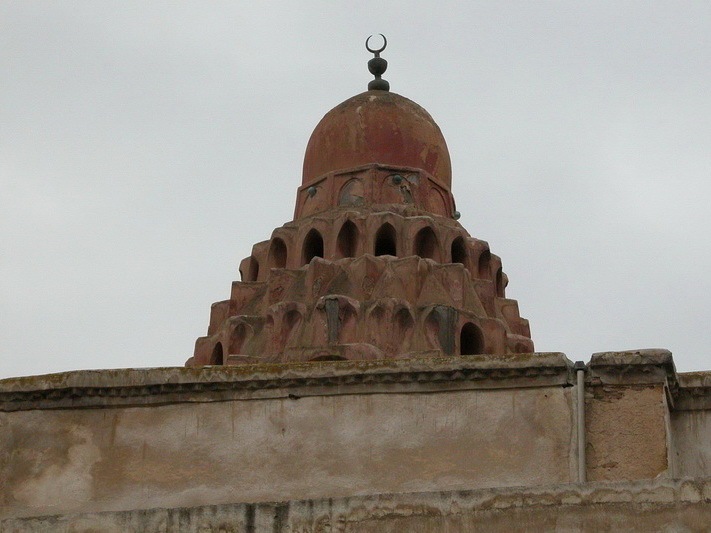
[385, 241]
[352, 193]
[484, 265]
[252, 270]
[347, 240]
[313, 246]
[403, 328]
[459, 251]
[217, 357]
[238, 337]
[471, 340]
[427, 244]
[277, 253]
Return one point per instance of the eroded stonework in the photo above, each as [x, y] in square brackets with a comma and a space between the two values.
[374, 264]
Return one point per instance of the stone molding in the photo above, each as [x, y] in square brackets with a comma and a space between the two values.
[635, 367]
[155, 386]
[694, 391]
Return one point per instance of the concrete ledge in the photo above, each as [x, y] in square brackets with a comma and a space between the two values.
[156, 386]
[660, 505]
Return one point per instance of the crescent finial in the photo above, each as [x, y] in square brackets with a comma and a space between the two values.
[376, 51]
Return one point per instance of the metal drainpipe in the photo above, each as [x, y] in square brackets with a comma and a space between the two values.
[579, 368]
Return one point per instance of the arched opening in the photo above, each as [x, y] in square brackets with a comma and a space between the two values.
[484, 264]
[385, 241]
[471, 341]
[277, 254]
[238, 337]
[313, 246]
[217, 358]
[253, 269]
[402, 331]
[347, 240]
[426, 244]
[500, 283]
[459, 251]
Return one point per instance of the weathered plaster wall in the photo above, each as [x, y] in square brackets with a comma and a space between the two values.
[691, 425]
[626, 430]
[635, 507]
[83, 442]
[273, 449]
[692, 443]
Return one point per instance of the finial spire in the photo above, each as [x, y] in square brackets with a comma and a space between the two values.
[377, 66]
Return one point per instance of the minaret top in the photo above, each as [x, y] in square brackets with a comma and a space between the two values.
[377, 66]
[377, 127]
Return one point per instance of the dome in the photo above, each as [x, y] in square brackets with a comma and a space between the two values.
[377, 127]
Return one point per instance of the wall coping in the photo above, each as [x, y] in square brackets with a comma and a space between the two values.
[157, 386]
[150, 386]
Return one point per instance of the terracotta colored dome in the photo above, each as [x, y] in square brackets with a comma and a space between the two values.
[377, 127]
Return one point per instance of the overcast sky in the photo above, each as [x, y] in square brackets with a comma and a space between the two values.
[146, 146]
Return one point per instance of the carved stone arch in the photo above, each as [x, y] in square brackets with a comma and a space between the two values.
[426, 244]
[377, 312]
[376, 317]
[436, 202]
[347, 241]
[385, 240]
[352, 193]
[253, 269]
[484, 265]
[218, 356]
[459, 252]
[312, 246]
[241, 333]
[403, 326]
[471, 339]
[278, 253]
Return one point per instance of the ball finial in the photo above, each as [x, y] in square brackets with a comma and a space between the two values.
[377, 66]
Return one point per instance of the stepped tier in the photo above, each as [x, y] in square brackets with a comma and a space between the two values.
[362, 282]
[374, 264]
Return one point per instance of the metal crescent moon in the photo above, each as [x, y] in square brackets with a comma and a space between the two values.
[385, 43]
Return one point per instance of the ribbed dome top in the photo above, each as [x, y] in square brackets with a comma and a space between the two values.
[377, 127]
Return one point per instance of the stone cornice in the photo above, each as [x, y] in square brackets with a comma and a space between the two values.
[635, 367]
[632, 367]
[694, 391]
[159, 386]
[156, 386]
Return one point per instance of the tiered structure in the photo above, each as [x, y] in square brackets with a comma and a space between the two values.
[374, 264]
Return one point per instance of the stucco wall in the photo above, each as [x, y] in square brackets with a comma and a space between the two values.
[692, 442]
[56, 461]
[626, 432]
[137, 439]
[652, 506]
